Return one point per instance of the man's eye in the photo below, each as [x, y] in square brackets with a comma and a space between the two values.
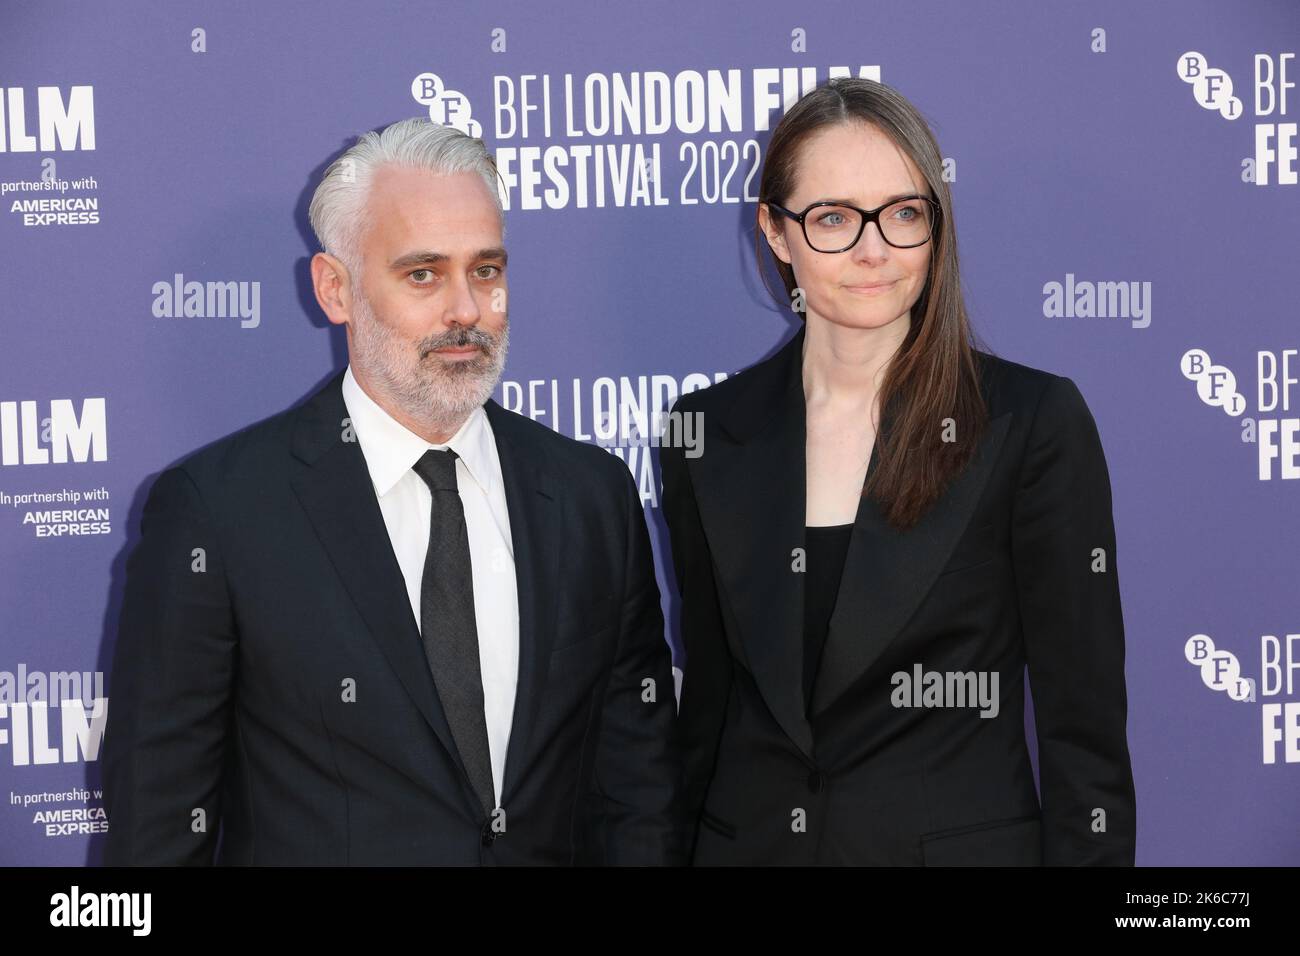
[421, 272]
[493, 272]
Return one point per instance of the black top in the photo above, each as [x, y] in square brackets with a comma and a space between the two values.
[824, 552]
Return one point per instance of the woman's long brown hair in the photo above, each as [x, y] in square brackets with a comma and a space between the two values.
[934, 375]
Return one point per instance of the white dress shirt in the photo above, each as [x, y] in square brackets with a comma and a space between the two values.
[391, 451]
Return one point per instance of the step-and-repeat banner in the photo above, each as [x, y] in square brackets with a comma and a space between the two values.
[1125, 180]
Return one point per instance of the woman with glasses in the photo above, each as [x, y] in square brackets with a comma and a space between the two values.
[886, 526]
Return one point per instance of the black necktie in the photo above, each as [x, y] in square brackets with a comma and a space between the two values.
[447, 622]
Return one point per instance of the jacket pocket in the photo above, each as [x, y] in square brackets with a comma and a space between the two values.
[1014, 841]
[978, 546]
[583, 638]
[717, 825]
[583, 623]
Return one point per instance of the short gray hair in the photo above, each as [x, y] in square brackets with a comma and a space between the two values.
[338, 210]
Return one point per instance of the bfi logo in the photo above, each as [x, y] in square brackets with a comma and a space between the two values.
[1279, 659]
[1275, 143]
[1277, 438]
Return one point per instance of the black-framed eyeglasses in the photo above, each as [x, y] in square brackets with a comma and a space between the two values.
[830, 226]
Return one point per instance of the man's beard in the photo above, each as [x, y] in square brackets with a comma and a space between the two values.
[438, 393]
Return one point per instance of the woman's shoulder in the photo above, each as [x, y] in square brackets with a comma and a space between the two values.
[1007, 385]
[1015, 387]
[766, 378]
[714, 396]
[1032, 394]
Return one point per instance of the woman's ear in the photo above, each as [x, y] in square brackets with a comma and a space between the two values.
[774, 232]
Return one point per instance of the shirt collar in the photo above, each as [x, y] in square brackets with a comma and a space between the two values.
[391, 449]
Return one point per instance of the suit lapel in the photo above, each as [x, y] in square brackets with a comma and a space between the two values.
[888, 573]
[753, 496]
[535, 529]
[339, 498]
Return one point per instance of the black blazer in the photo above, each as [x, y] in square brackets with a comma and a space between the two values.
[997, 576]
[228, 685]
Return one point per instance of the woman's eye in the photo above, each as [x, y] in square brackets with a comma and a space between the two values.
[831, 219]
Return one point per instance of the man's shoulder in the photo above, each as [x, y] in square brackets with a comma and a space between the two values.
[250, 453]
[575, 459]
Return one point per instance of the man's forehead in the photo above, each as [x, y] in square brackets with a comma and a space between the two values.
[452, 212]
[462, 195]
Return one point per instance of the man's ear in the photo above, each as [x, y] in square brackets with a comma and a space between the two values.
[333, 286]
[774, 232]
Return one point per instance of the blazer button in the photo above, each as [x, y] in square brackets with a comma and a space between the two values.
[489, 835]
[816, 781]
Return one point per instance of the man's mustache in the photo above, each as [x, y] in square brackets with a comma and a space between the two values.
[459, 338]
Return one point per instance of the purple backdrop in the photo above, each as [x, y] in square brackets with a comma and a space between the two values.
[1126, 152]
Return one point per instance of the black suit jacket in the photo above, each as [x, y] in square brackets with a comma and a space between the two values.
[997, 576]
[229, 691]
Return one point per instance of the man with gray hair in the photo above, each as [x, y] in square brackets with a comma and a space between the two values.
[397, 624]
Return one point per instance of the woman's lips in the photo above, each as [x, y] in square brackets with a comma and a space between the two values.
[873, 289]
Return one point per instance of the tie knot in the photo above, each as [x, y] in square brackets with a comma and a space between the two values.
[438, 469]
